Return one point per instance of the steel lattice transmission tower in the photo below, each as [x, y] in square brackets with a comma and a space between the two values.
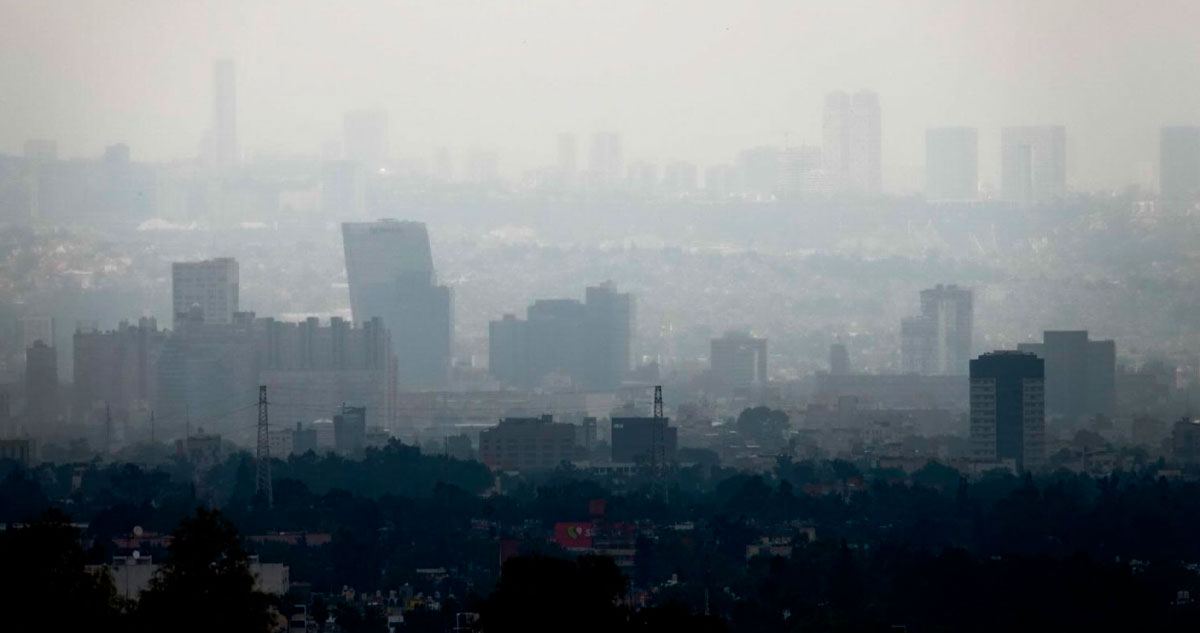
[658, 440]
[262, 471]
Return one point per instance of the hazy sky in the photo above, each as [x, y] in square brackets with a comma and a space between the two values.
[681, 80]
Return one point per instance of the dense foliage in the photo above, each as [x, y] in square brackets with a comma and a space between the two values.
[930, 550]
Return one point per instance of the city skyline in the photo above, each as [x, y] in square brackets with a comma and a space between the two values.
[993, 90]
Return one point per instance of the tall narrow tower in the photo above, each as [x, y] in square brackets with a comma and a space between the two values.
[262, 471]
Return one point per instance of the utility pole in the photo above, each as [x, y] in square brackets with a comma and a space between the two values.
[152, 441]
[262, 471]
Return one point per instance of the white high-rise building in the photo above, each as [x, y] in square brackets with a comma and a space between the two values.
[853, 142]
[210, 285]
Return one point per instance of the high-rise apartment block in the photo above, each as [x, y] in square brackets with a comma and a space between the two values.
[853, 142]
[1008, 409]
[738, 362]
[1081, 374]
[116, 372]
[331, 364]
[389, 267]
[951, 164]
[210, 286]
[1179, 167]
[588, 343]
[1033, 163]
[938, 340]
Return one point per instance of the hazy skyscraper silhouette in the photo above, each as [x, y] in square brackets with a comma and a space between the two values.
[938, 341]
[738, 361]
[568, 154]
[365, 137]
[952, 163]
[1008, 408]
[225, 133]
[1033, 163]
[1179, 166]
[389, 268]
[853, 141]
[606, 161]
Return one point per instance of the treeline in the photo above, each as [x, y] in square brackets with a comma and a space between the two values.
[931, 551]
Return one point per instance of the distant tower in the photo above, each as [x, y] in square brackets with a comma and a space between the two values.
[1033, 163]
[567, 154]
[951, 163]
[605, 161]
[1179, 169]
[41, 386]
[853, 142]
[225, 113]
[839, 360]
[389, 268]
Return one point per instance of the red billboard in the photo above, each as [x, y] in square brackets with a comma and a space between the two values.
[573, 535]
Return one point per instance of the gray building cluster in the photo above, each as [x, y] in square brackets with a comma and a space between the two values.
[588, 343]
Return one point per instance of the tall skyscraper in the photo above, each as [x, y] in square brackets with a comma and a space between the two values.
[1179, 168]
[609, 334]
[365, 138]
[853, 142]
[951, 163]
[1008, 409]
[568, 152]
[1081, 374]
[938, 341]
[225, 134]
[210, 285]
[839, 360]
[1033, 163]
[606, 161]
[41, 386]
[389, 268]
[738, 361]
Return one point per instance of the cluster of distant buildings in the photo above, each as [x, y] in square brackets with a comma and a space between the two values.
[38, 186]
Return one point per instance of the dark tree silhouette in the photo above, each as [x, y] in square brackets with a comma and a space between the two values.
[46, 586]
[206, 583]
